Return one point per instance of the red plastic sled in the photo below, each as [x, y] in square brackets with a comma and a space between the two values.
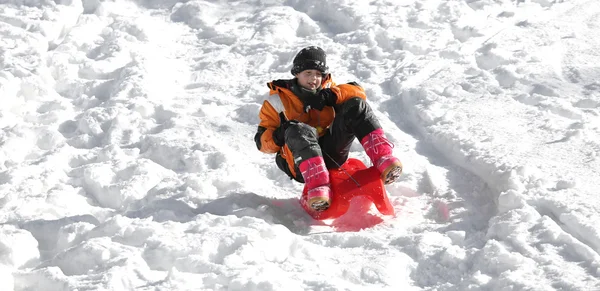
[344, 188]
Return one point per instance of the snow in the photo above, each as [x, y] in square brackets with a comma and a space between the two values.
[127, 159]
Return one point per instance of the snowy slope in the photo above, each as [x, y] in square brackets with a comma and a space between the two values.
[127, 159]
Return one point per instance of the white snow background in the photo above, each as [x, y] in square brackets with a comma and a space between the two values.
[127, 159]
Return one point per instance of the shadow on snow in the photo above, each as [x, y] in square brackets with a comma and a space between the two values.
[286, 212]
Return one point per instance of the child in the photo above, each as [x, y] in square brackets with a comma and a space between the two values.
[310, 122]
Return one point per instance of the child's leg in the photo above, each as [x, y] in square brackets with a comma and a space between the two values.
[353, 118]
[302, 141]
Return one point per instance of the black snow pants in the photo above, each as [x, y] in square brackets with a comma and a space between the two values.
[353, 119]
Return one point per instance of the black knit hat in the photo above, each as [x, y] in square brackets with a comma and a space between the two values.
[310, 58]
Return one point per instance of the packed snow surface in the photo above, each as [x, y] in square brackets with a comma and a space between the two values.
[127, 159]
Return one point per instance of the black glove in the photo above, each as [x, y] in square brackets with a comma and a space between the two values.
[325, 97]
[279, 133]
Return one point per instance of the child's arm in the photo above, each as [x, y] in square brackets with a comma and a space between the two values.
[347, 91]
[269, 121]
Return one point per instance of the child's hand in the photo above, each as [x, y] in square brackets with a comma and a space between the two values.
[325, 97]
[279, 133]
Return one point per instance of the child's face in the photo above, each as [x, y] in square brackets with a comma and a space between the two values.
[310, 79]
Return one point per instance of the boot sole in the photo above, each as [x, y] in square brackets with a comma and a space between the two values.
[319, 204]
[392, 173]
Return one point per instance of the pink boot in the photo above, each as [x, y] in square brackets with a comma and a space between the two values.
[379, 150]
[316, 178]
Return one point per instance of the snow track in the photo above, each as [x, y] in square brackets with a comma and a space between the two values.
[517, 187]
[127, 159]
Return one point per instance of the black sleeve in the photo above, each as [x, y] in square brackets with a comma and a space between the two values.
[258, 135]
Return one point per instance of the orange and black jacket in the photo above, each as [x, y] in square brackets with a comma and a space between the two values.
[283, 103]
